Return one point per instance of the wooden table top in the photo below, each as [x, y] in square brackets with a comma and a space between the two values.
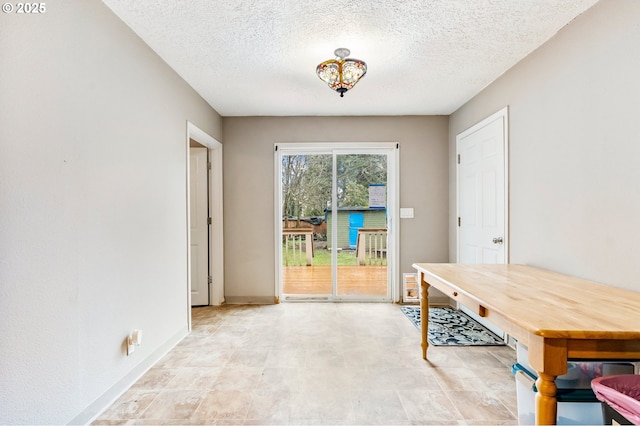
[543, 302]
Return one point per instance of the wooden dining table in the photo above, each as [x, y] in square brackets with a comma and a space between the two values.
[556, 316]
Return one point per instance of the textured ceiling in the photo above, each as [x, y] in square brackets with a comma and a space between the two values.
[258, 57]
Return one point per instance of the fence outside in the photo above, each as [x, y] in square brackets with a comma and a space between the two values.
[298, 247]
[372, 246]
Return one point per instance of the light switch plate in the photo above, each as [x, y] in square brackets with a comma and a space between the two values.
[406, 213]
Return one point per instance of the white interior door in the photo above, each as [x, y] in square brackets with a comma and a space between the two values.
[199, 226]
[482, 224]
[482, 197]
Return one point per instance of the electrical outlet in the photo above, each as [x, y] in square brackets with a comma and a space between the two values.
[130, 346]
[133, 340]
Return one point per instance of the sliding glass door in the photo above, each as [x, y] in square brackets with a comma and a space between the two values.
[361, 225]
[335, 206]
[305, 194]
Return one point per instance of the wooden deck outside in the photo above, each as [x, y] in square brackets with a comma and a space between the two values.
[352, 280]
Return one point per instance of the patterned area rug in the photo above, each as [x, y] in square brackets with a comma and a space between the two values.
[449, 327]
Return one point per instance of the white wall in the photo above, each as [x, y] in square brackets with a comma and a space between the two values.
[92, 209]
[249, 192]
[574, 147]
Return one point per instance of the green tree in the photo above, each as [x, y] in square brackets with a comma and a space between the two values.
[317, 184]
[355, 173]
[307, 180]
[292, 174]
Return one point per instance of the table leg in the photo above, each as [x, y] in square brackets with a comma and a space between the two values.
[424, 314]
[546, 402]
[548, 357]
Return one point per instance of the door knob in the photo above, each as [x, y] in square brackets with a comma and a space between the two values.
[497, 240]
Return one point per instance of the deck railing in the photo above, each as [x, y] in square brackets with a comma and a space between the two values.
[371, 248]
[298, 247]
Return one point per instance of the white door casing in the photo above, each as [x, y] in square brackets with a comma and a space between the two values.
[216, 236]
[199, 214]
[482, 191]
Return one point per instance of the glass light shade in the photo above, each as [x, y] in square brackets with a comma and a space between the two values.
[341, 74]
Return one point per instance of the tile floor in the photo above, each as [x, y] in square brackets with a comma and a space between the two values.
[317, 363]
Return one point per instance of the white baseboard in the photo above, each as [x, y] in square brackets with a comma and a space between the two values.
[249, 300]
[96, 408]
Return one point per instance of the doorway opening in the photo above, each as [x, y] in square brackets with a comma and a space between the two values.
[200, 217]
[335, 210]
[204, 154]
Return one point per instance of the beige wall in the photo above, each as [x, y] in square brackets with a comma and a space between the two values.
[574, 147]
[93, 235]
[249, 189]
[93, 189]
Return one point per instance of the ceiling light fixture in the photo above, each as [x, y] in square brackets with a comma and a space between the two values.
[342, 73]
